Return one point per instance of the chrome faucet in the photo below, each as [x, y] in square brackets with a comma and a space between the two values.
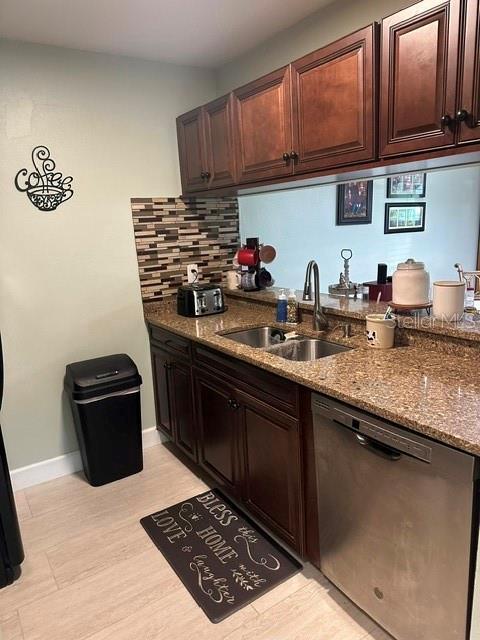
[320, 321]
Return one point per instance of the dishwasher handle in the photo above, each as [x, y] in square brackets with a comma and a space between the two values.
[377, 448]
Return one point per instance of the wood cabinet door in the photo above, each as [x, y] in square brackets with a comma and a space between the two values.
[220, 152]
[263, 127]
[181, 399]
[217, 423]
[419, 77]
[333, 97]
[271, 485]
[191, 150]
[161, 381]
[469, 101]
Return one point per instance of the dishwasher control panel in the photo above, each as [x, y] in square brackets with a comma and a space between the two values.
[372, 428]
[396, 441]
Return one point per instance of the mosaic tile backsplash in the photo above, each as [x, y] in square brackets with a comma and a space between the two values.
[173, 232]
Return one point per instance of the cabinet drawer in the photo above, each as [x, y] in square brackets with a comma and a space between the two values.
[170, 341]
[263, 385]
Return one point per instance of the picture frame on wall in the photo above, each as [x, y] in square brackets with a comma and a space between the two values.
[404, 217]
[354, 202]
[408, 185]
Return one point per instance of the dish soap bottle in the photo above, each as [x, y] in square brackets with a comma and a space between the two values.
[292, 307]
[282, 306]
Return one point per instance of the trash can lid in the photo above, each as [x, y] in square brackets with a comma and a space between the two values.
[100, 376]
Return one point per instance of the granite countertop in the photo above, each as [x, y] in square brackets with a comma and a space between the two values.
[467, 329]
[428, 391]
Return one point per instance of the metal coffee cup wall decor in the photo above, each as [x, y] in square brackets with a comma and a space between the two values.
[46, 188]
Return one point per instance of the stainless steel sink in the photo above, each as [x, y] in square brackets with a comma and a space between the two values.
[272, 340]
[306, 349]
[260, 337]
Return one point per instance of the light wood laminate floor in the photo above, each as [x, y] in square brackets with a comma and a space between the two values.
[92, 572]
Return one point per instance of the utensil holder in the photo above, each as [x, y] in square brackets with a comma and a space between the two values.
[380, 331]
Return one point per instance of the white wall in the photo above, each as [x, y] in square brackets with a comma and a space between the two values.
[326, 25]
[69, 286]
[301, 225]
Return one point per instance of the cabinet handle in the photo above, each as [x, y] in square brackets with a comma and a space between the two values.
[446, 120]
[286, 156]
[168, 366]
[207, 175]
[293, 155]
[464, 116]
[233, 404]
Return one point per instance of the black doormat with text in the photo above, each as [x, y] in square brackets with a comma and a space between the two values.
[223, 559]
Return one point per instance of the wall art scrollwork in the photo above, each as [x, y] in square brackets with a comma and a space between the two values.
[46, 188]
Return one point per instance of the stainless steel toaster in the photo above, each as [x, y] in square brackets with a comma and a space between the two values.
[195, 300]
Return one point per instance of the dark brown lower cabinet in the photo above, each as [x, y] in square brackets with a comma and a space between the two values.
[173, 388]
[238, 424]
[218, 429]
[181, 394]
[161, 380]
[271, 486]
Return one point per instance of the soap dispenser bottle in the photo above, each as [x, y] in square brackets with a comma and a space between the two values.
[282, 306]
[292, 307]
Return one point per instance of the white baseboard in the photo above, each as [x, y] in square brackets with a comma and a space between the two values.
[64, 465]
[151, 437]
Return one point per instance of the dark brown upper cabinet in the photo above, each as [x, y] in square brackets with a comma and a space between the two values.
[205, 145]
[419, 77]
[263, 127]
[219, 149]
[468, 112]
[191, 150]
[320, 114]
[333, 97]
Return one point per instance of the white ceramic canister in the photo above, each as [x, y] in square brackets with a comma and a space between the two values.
[448, 300]
[380, 331]
[411, 284]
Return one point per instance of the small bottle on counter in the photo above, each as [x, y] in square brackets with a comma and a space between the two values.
[282, 306]
[292, 307]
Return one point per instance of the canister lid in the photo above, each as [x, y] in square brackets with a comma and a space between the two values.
[449, 283]
[411, 264]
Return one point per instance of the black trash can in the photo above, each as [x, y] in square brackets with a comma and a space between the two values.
[105, 397]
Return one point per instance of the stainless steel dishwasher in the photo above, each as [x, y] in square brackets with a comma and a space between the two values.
[395, 522]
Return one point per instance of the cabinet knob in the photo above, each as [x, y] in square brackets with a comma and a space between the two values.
[293, 155]
[446, 120]
[233, 404]
[207, 175]
[464, 116]
[168, 366]
[202, 175]
[286, 156]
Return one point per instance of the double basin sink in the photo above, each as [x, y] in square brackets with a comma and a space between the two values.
[272, 340]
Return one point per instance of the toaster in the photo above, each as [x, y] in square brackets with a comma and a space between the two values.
[195, 300]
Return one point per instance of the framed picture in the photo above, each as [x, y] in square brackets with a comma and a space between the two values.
[354, 202]
[404, 217]
[410, 185]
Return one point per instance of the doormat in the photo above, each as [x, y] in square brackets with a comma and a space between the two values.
[222, 558]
